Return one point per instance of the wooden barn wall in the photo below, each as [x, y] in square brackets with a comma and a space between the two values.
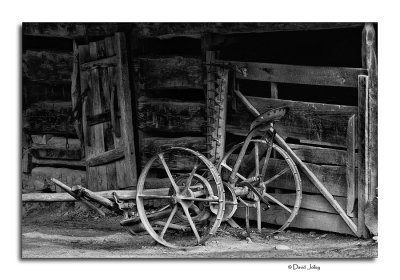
[167, 76]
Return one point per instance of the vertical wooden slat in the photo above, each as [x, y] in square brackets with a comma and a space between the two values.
[369, 61]
[124, 97]
[362, 128]
[351, 166]
[84, 76]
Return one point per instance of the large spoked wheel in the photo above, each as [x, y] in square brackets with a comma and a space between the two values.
[271, 172]
[184, 216]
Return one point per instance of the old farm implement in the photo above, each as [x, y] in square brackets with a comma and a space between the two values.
[195, 203]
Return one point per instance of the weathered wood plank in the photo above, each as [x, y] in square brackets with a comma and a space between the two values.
[46, 152]
[313, 122]
[100, 63]
[171, 73]
[314, 202]
[125, 105]
[294, 74]
[167, 30]
[351, 166]
[153, 145]
[58, 163]
[362, 129]
[305, 219]
[47, 67]
[106, 157]
[319, 155]
[370, 62]
[49, 118]
[164, 115]
[35, 92]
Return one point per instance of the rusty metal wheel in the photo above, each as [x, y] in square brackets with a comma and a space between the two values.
[261, 166]
[186, 201]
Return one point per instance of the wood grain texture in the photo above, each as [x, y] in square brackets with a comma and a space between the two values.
[153, 145]
[165, 115]
[54, 29]
[362, 132]
[314, 122]
[319, 155]
[351, 166]
[294, 74]
[38, 92]
[49, 118]
[171, 73]
[47, 67]
[305, 219]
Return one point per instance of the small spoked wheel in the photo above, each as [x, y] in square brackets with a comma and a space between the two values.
[181, 213]
[272, 173]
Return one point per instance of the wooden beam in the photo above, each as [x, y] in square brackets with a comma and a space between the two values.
[319, 155]
[154, 145]
[38, 92]
[351, 166]
[168, 30]
[316, 123]
[370, 62]
[176, 72]
[100, 63]
[49, 118]
[47, 67]
[54, 29]
[57, 162]
[293, 74]
[362, 129]
[46, 152]
[165, 115]
[106, 157]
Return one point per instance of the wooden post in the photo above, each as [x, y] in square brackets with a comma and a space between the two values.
[363, 177]
[369, 61]
[351, 166]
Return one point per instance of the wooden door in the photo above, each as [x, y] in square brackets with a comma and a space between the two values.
[107, 114]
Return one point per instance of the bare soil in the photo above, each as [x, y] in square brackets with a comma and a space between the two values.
[66, 230]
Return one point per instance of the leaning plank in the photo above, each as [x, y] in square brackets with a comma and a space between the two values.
[165, 115]
[305, 219]
[317, 123]
[47, 67]
[106, 157]
[172, 72]
[49, 118]
[294, 74]
[154, 145]
[319, 155]
[362, 129]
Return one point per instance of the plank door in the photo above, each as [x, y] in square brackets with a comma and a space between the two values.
[107, 114]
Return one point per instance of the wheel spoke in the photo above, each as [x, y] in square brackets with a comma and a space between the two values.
[174, 185]
[189, 179]
[270, 197]
[192, 225]
[168, 221]
[151, 196]
[256, 157]
[230, 169]
[276, 176]
[266, 160]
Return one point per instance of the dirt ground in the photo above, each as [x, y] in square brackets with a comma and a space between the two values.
[66, 230]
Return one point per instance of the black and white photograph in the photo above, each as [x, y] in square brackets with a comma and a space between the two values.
[199, 140]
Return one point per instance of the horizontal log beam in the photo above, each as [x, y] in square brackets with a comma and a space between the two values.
[171, 73]
[34, 92]
[46, 152]
[57, 162]
[106, 157]
[167, 30]
[47, 67]
[165, 115]
[294, 74]
[318, 123]
[153, 145]
[319, 155]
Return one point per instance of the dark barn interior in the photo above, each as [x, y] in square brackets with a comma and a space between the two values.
[154, 82]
